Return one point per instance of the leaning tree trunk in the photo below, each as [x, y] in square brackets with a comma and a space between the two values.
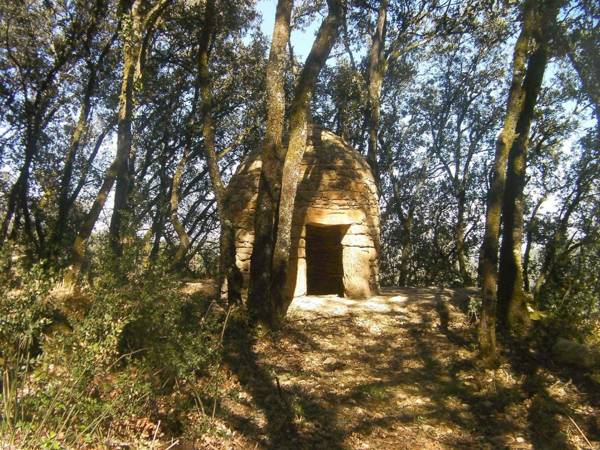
[489, 249]
[528, 242]
[512, 301]
[119, 167]
[65, 183]
[65, 200]
[85, 229]
[270, 176]
[227, 268]
[137, 29]
[461, 255]
[376, 73]
[184, 238]
[37, 117]
[131, 37]
[406, 253]
[299, 111]
[18, 194]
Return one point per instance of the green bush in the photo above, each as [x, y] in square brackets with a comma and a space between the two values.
[570, 298]
[129, 345]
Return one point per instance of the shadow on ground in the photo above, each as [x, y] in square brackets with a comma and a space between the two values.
[405, 375]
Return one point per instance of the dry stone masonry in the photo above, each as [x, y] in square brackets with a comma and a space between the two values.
[335, 230]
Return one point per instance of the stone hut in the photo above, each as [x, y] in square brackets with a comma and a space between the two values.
[335, 229]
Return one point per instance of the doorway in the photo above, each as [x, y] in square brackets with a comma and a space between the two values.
[324, 259]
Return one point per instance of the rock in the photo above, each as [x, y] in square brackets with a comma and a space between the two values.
[332, 364]
[575, 354]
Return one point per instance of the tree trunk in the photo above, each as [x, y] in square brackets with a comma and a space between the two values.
[65, 200]
[376, 73]
[158, 224]
[489, 250]
[529, 241]
[184, 239]
[558, 243]
[137, 30]
[65, 183]
[299, 113]
[90, 160]
[408, 219]
[130, 37]
[461, 256]
[37, 115]
[119, 166]
[227, 268]
[85, 230]
[17, 196]
[407, 224]
[270, 175]
[512, 312]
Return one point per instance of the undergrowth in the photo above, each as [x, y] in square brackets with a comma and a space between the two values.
[125, 356]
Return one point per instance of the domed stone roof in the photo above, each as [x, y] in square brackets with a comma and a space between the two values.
[335, 228]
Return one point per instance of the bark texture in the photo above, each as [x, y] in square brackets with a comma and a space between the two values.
[184, 239]
[272, 160]
[405, 255]
[299, 113]
[460, 233]
[531, 224]
[376, 74]
[65, 200]
[137, 27]
[489, 250]
[133, 24]
[227, 268]
[512, 300]
[131, 36]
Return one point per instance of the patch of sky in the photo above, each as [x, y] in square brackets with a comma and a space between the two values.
[301, 38]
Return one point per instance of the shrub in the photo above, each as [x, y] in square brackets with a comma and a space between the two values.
[104, 360]
[571, 297]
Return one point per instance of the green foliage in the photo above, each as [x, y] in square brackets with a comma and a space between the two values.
[24, 312]
[568, 284]
[571, 297]
[84, 362]
[128, 343]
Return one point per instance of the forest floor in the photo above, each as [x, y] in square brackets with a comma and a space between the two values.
[397, 371]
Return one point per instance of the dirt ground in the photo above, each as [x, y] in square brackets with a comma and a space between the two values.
[397, 371]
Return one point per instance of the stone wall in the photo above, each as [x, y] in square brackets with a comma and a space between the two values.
[336, 188]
